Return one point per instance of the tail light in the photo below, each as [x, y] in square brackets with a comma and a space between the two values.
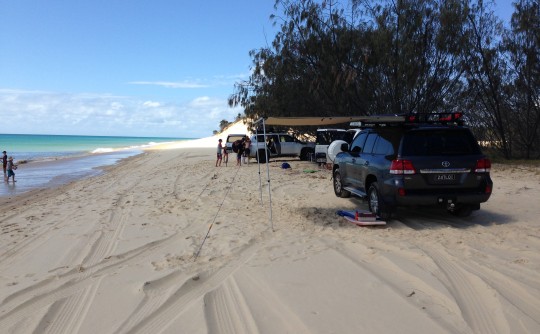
[488, 190]
[444, 117]
[402, 167]
[411, 118]
[483, 166]
[450, 117]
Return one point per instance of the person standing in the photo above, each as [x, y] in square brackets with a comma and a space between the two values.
[219, 154]
[10, 167]
[239, 144]
[4, 164]
[247, 150]
[225, 155]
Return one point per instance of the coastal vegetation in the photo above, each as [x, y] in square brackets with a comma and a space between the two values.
[357, 57]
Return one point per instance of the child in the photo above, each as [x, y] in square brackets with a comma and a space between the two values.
[10, 167]
[219, 155]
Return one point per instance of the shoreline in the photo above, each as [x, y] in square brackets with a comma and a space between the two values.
[55, 172]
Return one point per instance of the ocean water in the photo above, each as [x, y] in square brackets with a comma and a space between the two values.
[51, 160]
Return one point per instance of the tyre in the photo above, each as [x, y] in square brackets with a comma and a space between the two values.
[338, 186]
[376, 205]
[304, 154]
[261, 158]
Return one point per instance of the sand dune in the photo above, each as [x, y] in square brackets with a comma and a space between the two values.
[116, 254]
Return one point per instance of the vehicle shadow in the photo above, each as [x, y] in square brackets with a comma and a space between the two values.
[414, 218]
[433, 217]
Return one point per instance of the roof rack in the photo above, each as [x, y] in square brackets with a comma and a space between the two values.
[412, 118]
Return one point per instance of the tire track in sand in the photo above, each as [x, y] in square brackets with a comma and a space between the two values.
[227, 311]
[74, 308]
[479, 306]
[164, 302]
[72, 300]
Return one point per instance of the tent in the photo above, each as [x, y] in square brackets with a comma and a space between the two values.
[310, 121]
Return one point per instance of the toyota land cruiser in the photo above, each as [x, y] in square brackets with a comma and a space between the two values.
[418, 160]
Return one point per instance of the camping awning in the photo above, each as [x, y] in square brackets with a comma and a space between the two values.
[319, 121]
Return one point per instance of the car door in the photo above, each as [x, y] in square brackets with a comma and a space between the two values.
[350, 164]
[274, 146]
[363, 161]
[287, 144]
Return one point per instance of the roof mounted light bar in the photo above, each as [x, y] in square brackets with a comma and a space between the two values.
[417, 118]
[442, 117]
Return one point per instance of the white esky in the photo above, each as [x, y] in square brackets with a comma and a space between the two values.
[160, 68]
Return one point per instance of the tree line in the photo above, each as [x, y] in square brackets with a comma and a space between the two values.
[365, 57]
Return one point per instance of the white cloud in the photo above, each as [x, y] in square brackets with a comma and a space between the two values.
[151, 104]
[93, 114]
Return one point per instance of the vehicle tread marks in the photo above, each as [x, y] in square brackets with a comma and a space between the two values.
[480, 308]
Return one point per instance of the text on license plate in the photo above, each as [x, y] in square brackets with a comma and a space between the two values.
[445, 177]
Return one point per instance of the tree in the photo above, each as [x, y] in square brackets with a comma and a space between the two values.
[223, 124]
[522, 44]
[362, 57]
[486, 73]
[413, 57]
[332, 60]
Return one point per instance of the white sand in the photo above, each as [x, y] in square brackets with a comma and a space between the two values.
[115, 254]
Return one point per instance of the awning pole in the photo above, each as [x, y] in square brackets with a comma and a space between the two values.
[268, 175]
[258, 162]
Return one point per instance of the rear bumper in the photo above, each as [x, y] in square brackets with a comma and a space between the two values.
[437, 196]
[440, 199]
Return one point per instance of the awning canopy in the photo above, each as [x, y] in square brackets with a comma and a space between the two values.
[319, 121]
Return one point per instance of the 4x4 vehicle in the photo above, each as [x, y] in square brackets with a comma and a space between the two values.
[279, 145]
[415, 161]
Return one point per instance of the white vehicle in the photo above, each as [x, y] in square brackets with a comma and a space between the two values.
[231, 139]
[279, 145]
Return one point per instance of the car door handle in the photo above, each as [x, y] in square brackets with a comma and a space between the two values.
[353, 160]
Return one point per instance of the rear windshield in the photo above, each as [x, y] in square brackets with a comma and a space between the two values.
[439, 142]
[233, 138]
[327, 137]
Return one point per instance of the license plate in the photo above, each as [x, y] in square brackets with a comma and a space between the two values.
[445, 177]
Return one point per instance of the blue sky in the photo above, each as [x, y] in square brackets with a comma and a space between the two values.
[160, 68]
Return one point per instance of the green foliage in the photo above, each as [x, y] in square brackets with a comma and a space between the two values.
[358, 57]
[522, 46]
[223, 125]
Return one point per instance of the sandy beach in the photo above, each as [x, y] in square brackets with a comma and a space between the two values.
[117, 254]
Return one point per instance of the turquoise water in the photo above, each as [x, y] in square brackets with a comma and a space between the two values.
[43, 147]
[51, 160]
